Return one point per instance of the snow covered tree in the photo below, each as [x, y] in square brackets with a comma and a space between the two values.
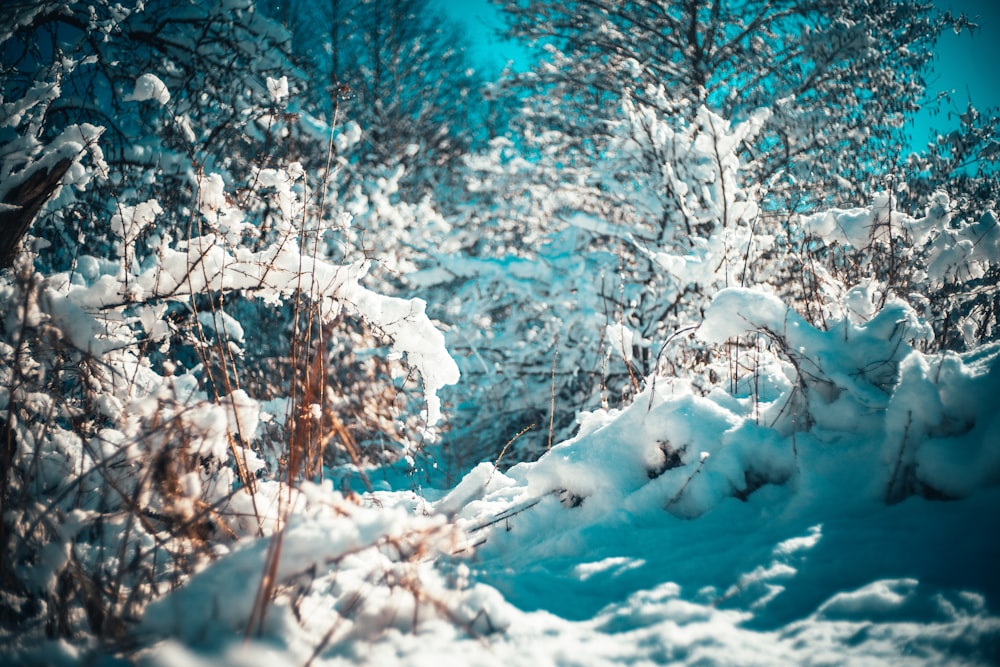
[665, 152]
[838, 77]
[591, 269]
[399, 70]
[72, 66]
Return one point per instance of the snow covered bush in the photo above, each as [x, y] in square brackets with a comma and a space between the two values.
[599, 272]
[612, 260]
[188, 133]
[141, 431]
[815, 65]
[946, 265]
[105, 414]
[857, 401]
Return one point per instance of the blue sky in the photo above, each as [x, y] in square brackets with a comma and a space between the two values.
[482, 21]
[966, 64]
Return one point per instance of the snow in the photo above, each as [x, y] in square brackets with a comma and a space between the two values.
[559, 610]
[620, 339]
[601, 553]
[149, 87]
[277, 89]
[212, 195]
[808, 481]
[223, 324]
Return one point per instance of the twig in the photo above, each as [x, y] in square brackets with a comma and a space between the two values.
[552, 397]
[503, 451]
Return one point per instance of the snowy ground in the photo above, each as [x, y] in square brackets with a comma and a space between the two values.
[816, 571]
[836, 506]
[680, 530]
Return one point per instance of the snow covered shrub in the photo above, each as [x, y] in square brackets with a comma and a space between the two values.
[613, 258]
[136, 439]
[941, 425]
[600, 270]
[856, 403]
[869, 375]
[104, 418]
[946, 265]
[842, 375]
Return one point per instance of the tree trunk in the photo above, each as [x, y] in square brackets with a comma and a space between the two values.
[29, 196]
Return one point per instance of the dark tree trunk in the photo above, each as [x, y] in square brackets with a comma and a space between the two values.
[29, 196]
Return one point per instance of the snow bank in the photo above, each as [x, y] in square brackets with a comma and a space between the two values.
[686, 528]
